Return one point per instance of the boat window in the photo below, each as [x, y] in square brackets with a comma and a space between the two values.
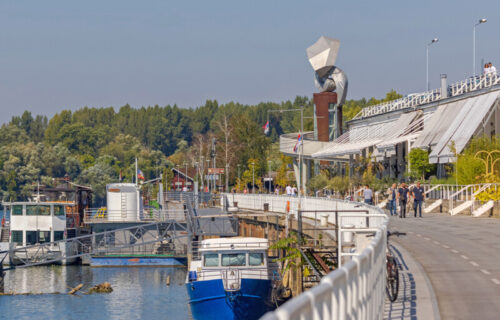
[17, 237]
[59, 210]
[31, 237]
[256, 259]
[211, 260]
[58, 235]
[38, 210]
[43, 236]
[233, 259]
[17, 210]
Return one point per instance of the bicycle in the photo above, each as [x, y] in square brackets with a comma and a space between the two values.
[392, 284]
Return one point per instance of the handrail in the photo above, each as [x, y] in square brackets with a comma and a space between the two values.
[458, 88]
[353, 291]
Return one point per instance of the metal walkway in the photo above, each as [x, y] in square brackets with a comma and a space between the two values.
[95, 244]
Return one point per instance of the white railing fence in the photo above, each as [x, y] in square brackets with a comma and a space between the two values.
[356, 290]
[458, 88]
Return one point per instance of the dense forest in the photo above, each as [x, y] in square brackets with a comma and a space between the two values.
[96, 146]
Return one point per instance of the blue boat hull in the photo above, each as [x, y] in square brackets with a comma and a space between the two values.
[209, 300]
[133, 261]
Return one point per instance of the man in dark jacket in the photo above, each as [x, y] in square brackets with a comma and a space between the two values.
[403, 199]
[418, 198]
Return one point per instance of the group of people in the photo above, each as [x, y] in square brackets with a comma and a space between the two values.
[489, 68]
[403, 195]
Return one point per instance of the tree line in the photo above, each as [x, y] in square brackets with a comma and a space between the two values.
[97, 146]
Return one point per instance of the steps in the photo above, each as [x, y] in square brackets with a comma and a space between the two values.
[484, 208]
[4, 235]
[462, 207]
[433, 206]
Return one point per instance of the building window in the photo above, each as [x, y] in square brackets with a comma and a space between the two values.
[17, 210]
[233, 259]
[43, 236]
[38, 210]
[59, 210]
[17, 237]
[211, 260]
[256, 259]
[31, 237]
[58, 235]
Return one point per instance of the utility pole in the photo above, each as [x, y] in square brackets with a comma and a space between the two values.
[213, 155]
[208, 176]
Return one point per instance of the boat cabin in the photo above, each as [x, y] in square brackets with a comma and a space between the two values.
[236, 252]
[36, 222]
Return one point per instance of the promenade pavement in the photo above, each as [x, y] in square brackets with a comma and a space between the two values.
[460, 255]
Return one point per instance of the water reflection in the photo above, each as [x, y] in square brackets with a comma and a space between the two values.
[138, 293]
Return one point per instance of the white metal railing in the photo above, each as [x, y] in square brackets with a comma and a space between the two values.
[102, 215]
[458, 88]
[356, 290]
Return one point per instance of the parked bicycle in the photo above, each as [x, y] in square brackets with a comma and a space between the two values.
[392, 284]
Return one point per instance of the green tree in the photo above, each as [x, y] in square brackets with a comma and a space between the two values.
[419, 164]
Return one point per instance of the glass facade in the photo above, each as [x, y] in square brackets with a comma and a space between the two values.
[58, 235]
[256, 259]
[17, 237]
[59, 210]
[17, 210]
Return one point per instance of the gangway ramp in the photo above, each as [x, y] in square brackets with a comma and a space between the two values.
[95, 244]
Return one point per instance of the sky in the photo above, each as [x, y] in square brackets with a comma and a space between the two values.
[57, 55]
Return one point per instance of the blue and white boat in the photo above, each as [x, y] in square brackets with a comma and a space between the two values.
[233, 279]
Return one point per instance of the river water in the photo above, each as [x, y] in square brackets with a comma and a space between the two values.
[138, 293]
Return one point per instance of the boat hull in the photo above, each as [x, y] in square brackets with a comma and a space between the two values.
[209, 300]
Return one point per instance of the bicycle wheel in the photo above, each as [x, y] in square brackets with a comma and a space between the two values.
[392, 286]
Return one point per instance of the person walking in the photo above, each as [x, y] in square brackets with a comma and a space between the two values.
[368, 195]
[418, 198]
[391, 192]
[403, 199]
[288, 190]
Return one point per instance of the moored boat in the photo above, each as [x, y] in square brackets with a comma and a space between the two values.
[232, 279]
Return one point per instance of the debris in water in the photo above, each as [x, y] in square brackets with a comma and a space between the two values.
[104, 287]
[76, 289]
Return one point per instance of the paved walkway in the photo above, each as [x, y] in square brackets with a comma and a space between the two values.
[416, 297]
[461, 257]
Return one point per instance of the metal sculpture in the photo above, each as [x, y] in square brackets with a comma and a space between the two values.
[328, 77]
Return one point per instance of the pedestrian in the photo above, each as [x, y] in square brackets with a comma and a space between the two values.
[288, 190]
[277, 190]
[493, 70]
[392, 200]
[368, 195]
[294, 191]
[403, 199]
[486, 69]
[418, 197]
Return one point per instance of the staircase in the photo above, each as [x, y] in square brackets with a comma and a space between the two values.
[433, 206]
[4, 235]
[484, 208]
[123, 205]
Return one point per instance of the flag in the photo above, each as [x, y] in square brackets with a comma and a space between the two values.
[266, 127]
[299, 142]
[140, 175]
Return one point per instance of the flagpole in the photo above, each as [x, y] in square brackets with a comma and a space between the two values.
[136, 180]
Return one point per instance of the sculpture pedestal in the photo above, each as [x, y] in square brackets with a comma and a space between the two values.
[323, 103]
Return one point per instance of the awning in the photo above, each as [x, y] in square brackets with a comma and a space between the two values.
[362, 137]
[465, 118]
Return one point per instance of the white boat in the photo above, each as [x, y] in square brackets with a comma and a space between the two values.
[33, 223]
[232, 279]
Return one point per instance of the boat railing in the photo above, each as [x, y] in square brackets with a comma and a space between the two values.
[232, 273]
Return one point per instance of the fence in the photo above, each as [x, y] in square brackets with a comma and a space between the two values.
[356, 290]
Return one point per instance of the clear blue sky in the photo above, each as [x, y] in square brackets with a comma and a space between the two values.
[57, 55]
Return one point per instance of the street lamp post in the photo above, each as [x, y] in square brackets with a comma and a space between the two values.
[474, 45]
[427, 63]
[208, 181]
[253, 177]
[269, 174]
